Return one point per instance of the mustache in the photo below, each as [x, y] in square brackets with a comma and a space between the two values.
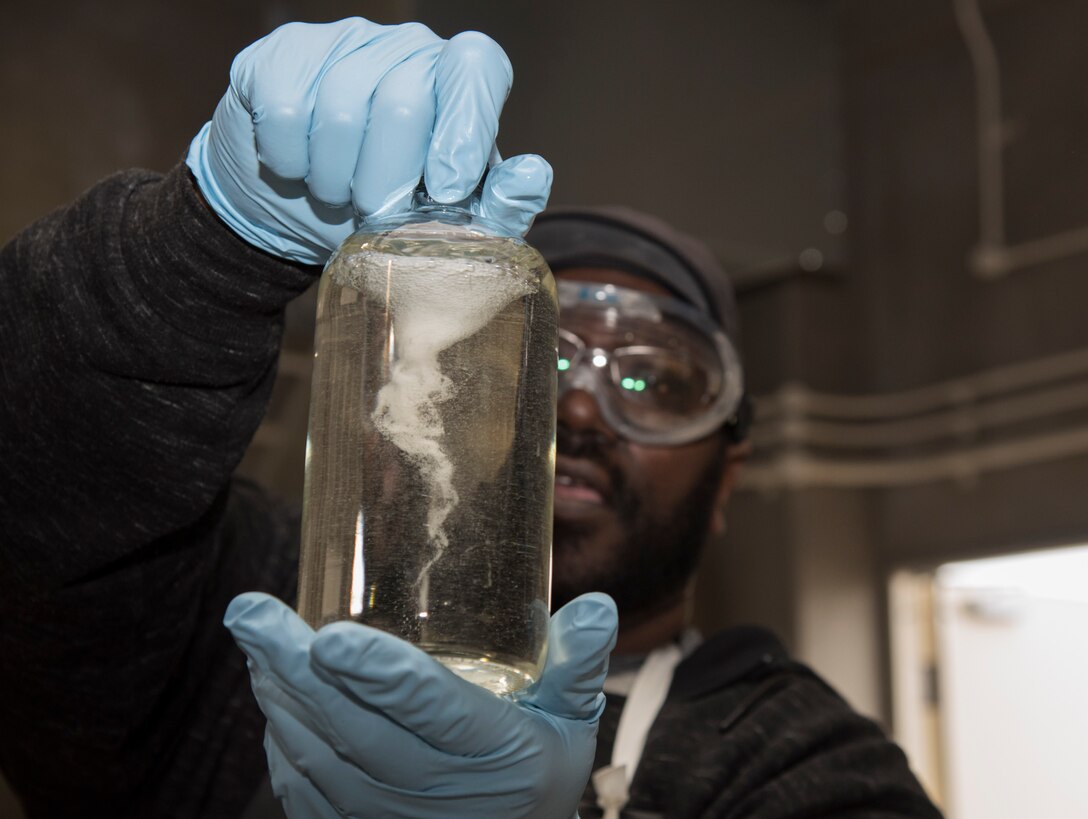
[582, 443]
[599, 448]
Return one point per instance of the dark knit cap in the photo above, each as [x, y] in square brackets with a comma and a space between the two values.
[643, 245]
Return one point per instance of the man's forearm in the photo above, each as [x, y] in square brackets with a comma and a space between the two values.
[139, 339]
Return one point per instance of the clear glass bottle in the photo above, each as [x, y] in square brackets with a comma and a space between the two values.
[431, 449]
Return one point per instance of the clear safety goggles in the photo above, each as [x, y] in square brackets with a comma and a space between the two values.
[660, 371]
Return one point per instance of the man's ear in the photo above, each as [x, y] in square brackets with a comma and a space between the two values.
[735, 456]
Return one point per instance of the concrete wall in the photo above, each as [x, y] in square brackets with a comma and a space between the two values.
[910, 123]
[901, 312]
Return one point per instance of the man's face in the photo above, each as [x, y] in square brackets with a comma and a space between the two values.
[630, 519]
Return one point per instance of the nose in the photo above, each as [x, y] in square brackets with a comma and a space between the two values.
[578, 413]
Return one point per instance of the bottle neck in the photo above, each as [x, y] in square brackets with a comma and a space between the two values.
[424, 208]
[464, 213]
[459, 212]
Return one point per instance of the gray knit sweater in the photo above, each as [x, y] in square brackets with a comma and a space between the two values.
[139, 340]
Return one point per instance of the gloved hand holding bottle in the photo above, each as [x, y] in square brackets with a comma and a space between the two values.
[325, 123]
[362, 724]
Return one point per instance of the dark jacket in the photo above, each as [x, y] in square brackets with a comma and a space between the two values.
[747, 732]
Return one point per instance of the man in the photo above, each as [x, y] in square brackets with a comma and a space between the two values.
[140, 336]
[651, 429]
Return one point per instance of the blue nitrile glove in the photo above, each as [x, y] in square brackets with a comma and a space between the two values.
[363, 724]
[325, 122]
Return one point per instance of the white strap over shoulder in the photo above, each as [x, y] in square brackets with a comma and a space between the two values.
[647, 695]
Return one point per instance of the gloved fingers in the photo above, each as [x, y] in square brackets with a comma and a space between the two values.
[277, 79]
[277, 642]
[515, 191]
[351, 732]
[415, 691]
[298, 795]
[317, 774]
[581, 635]
[393, 152]
[302, 753]
[340, 115]
[350, 103]
[473, 79]
[269, 631]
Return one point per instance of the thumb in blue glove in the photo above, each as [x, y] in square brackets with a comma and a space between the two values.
[323, 123]
[363, 724]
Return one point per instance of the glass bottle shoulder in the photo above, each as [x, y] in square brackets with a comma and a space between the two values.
[423, 239]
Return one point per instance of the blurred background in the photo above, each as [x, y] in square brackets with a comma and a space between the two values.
[900, 190]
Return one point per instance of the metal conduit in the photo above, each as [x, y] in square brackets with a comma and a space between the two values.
[796, 400]
[992, 257]
[794, 470]
[805, 438]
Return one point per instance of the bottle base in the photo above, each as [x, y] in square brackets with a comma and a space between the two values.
[497, 677]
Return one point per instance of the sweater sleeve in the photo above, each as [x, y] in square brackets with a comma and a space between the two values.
[139, 340]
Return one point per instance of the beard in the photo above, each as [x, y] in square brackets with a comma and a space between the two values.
[645, 556]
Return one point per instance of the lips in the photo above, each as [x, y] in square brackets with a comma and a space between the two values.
[580, 482]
